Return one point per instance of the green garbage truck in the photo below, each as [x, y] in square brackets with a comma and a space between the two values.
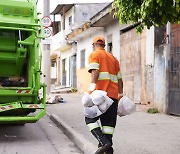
[22, 96]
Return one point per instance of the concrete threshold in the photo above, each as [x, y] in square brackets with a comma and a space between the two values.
[79, 140]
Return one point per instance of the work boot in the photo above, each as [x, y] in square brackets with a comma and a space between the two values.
[105, 144]
[103, 148]
[109, 151]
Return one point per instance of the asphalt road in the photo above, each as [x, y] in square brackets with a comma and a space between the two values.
[42, 137]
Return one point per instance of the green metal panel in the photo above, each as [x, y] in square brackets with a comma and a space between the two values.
[7, 39]
[19, 12]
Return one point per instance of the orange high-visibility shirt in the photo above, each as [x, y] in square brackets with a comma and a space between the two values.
[109, 71]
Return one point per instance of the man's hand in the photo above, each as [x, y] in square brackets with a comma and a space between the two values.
[92, 87]
[120, 96]
[94, 78]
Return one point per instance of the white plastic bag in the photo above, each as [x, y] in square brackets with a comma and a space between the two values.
[98, 97]
[105, 105]
[96, 104]
[92, 112]
[54, 99]
[87, 100]
[126, 106]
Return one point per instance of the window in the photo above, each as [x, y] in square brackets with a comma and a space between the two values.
[109, 47]
[109, 43]
[53, 69]
[56, 27]
[82, 62]
[70, 22]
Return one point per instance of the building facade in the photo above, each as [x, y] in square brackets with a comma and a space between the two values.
[144, 59]
[67, 17]
[149, 61]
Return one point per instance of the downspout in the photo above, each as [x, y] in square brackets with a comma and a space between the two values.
[63, 17]
[54, 20]
[168, 42]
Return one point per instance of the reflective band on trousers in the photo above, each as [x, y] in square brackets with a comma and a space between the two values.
[108, 130]
[119, 75]
[107, 76]
[93, 66]
[93, 125]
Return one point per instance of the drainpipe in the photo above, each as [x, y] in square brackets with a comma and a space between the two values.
[63, 17]
[54, 20]
[168, 42]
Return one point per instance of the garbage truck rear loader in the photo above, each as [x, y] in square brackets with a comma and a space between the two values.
[20, 63]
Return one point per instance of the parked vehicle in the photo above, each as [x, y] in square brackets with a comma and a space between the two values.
[20, 63]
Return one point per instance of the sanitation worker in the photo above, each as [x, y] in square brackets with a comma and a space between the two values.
[105, 75]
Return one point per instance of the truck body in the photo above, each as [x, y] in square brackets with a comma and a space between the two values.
[20, 63]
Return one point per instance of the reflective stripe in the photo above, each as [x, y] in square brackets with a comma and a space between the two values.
[113, 78]
[93, 66]
[93, 125]
[107, 76]
[119, 75]
[108, 130]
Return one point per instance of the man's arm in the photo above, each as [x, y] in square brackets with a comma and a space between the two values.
[120, 82]
[94, 78]
[120, 88]
[94, 70]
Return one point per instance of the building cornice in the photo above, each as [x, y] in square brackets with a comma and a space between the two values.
[79, 30]
[59, 8]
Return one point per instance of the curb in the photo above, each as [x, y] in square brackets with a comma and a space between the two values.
[79, 140]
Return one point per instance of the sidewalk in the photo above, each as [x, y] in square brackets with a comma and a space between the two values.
[138, 133]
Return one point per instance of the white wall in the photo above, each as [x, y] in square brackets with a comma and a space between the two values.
[67, 15]
[54, 71]
[66, 55]
[114, 29]
[58, 40]
[86, 43]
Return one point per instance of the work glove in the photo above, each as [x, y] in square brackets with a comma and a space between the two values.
[92, 87]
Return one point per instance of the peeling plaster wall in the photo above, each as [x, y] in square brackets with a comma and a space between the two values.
[131, 64]
[137, 65]
[160, 78]
[160, 69]
[150, 65]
